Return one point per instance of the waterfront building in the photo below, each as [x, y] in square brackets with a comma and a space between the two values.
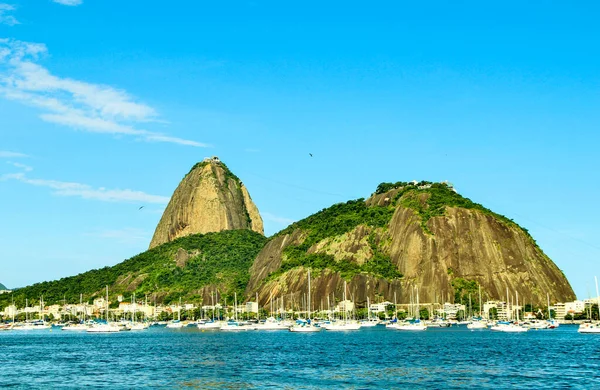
[379, 307]
[344, 306]
[251, 307]
[450, 310]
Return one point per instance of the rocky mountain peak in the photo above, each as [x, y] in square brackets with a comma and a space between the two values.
[210, 198]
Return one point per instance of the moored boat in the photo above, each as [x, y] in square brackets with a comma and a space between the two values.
[416, 325]
[475, 325]
[103, 328]
[76, 327]
[508, 327]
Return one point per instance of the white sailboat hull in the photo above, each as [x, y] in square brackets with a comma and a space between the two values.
[103, 329]
[210, 325]
[138, 326]
[175, 325]
[411, 327]
[477, 325]
[589, 328]
[304, 329]
[342, 326]
[32, 327]
[509, 329]
[234, 328]
[268, 326]
[369, 324]
[75, 328]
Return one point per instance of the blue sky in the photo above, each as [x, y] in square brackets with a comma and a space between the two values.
[105, 105]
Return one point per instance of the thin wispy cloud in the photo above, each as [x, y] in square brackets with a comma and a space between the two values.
[62, 188]
[5, 18]
[69, 2]
[277, 219]
[81, 105]
[24, 167]
[7, 154]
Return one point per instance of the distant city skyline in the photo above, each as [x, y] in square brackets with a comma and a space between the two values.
[106, 105]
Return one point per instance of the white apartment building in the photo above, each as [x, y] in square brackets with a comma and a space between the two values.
[344, 306]
[451, 309]
[379, 307]
[251, 307]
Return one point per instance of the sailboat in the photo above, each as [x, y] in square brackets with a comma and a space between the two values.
[81, 326]
[234, 326]
[305, 326]
[480, 323]
[393, 323]
[32, 325]
[369, 322]
[417, 324]
[106, 327]
[552, 323]
[506, 326]
[590, 327]
[345, 324]
[176, 324]
[134, 324]
[271, 323]
[212, 324]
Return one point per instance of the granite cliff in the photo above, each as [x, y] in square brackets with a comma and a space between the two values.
[406, 236]
[209, 199]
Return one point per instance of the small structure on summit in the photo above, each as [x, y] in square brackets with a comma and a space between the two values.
[213, 159]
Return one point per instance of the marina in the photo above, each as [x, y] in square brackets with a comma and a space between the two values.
[370, 357]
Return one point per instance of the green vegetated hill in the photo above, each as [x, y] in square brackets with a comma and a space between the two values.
[190, 267]
[406, 236]
[2, 287]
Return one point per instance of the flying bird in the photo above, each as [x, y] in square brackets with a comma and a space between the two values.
[310, 154]
[141, 207]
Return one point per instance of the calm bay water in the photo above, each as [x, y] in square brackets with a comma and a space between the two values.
[369, 358]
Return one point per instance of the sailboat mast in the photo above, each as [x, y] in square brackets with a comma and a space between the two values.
[480, 301]
[597, 296]
[345, 304]
[470, 307]
[308, 306]
[517, 307]
[507, 305]
[417, 308]
[106, 303]
[235, 305]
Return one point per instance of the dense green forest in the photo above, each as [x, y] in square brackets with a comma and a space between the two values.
[220, 259]
[334, 221]
[438, 197]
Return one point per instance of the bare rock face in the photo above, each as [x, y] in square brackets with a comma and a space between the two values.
[461, 245]
[209, 199]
